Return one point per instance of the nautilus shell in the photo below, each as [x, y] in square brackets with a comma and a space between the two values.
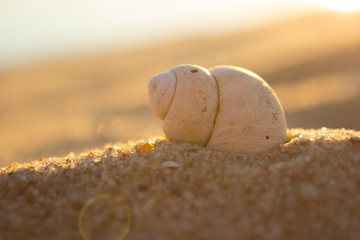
[225, 108]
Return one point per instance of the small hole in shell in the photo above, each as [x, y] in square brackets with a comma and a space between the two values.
[267, 137]
[194, 71]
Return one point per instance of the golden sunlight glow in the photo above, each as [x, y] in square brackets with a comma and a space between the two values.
[341, 5]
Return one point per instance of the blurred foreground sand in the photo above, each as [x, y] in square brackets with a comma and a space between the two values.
[312, 64]
[307, 188]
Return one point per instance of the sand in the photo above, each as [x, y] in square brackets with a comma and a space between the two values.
[308, 188]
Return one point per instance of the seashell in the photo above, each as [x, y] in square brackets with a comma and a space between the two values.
[225, 108]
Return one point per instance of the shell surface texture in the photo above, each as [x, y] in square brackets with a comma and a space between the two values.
[225, 108]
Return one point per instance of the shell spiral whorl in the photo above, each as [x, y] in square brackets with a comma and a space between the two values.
[226, 108]
[161, 92]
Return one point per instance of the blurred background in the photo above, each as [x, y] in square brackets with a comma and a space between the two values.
[73, 74]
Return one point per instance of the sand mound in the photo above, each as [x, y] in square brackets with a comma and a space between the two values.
[308, 188]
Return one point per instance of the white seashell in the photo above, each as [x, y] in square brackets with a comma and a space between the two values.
[226, 108]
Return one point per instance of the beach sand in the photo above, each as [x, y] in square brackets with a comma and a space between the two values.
[307, 188]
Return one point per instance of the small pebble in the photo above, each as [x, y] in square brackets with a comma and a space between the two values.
[170, 164]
